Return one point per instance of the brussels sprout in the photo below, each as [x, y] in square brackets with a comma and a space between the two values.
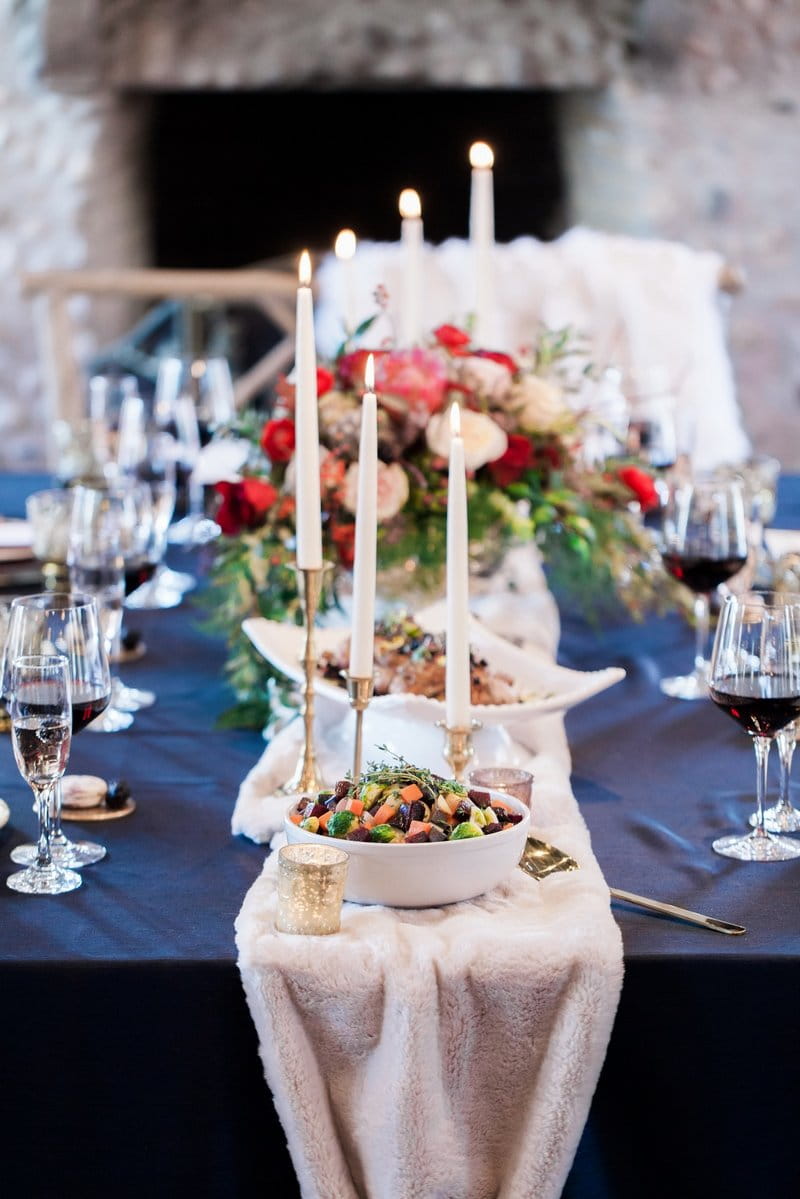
[310, 824]
[466, 829]
[384, 833]
[340, 823]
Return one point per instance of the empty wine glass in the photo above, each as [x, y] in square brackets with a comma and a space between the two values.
[68, 625]
[783, 816]
[755, 678]
[194, 397]
[703, 543]
[107, 555]
[41, 731]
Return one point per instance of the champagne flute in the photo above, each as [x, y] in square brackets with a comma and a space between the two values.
[783, 816]
[703, 544]
[755, 678]
[41, 731]
[69, 625]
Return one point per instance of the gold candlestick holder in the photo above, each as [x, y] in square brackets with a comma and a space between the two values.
[359, 691]
[458, 747]
[306, 775]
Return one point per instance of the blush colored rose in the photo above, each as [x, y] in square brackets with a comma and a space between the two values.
[539, 404]
[642, 486]
[485, 377]
[393, 489]
[513, 464]
[484, 440]
[277, 440]
[244, 504]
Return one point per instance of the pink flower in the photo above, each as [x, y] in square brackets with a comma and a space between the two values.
[417, 376]
[485, 376]
[393, 489]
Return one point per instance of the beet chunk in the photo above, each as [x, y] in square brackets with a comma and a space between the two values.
[481, 798]
[416, 838]
[359, 833]
[342, 788]
[492, 828]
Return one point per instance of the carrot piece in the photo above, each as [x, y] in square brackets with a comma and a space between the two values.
[295, 817]
[385, 813]
[355, 806]
[410, 793]
[501, 803]
[418, 826]
[324, 818]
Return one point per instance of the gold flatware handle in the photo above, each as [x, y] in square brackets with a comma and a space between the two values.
[671, 909]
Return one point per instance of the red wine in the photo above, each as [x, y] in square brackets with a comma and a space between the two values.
[762, 706]
[702, 574]
[137, 573]
[87, 703]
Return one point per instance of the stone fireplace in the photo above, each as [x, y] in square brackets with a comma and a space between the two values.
[649, 117]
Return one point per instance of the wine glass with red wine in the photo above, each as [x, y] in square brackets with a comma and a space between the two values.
[39, 704]
[703, 545]
[755, 677]
[67, 624]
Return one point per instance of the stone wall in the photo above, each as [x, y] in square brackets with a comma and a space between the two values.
[680, 120]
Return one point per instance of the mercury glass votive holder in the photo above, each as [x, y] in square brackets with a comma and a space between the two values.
[311, 881]
[510, 779]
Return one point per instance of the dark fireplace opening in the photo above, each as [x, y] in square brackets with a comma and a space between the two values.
[240, 177]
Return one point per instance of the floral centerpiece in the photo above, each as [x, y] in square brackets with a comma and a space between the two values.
[526, 429]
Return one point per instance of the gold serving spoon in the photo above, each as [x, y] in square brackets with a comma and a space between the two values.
[540, 859]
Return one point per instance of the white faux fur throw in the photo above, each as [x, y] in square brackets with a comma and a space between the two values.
[446, 1053]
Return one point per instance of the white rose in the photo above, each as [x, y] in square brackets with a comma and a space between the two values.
[487, 378]
[539, 404]
[392, 489]
[483, 439]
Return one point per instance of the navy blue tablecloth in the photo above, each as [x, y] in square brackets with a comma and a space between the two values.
[130, 1061]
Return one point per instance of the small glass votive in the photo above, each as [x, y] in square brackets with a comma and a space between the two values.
[509, 779]
[311, 882]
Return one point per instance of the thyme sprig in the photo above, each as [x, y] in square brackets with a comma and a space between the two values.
[404, 773]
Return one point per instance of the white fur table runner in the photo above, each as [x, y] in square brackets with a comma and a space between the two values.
[446, 1053]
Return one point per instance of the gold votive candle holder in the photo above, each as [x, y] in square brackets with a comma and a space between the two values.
[311, 881]
[510, 779]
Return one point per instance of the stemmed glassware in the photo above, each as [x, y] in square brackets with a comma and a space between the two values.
[755, 678]
[783, 816]
[107, 555]
[66, 624]
[703, 543]
[39, 703]
[194, 397]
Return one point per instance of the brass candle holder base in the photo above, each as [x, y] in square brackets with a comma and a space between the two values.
[359, 691]
[458, 747]
[306, 776]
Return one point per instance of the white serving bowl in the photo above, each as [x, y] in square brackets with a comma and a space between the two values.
[429, 874]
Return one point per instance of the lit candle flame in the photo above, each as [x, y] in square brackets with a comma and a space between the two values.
[345, 245]
[410, 205]
[369, 373]
[304, 269]
[455, 420]
[481, 156]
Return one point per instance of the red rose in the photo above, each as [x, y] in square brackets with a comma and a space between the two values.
[243, 505]
[351, 367]
[324, 381]
[498, 356]
[277, 440]
[642, 486]
[514, 462]
[344, 538]
[451, 337]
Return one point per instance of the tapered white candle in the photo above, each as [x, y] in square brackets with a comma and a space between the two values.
[481, 232]
[362, 635]
[308, 552]
[457, 661]
[345, 248]
[411, 236]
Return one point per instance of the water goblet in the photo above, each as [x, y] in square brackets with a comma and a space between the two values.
[703, 544]
[39, 704]
[783, 816]
[755, 678]
[67, 624]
